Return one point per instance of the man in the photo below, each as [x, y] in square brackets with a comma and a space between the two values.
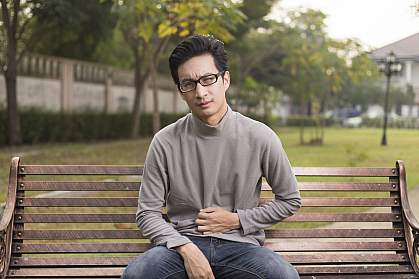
[207, 170]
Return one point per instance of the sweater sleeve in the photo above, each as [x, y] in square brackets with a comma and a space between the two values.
[152, 198]
[277, 170]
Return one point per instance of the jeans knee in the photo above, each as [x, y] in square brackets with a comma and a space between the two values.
[129, 273]
[278, 268]
[283, 271]
[158, 262]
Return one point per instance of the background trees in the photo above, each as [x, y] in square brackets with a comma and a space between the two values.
[292, 56]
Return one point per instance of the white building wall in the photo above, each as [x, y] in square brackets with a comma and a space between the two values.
[87, 97]
[34, 92]
[45, 93]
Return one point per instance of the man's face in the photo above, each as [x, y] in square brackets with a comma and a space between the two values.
[208, 103]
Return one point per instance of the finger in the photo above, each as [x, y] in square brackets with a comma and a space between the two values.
[208, 209]
[201, 222]
[203, 215]
[203, 229]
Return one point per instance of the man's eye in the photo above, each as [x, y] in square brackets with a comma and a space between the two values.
[208, 80]
[187, 84]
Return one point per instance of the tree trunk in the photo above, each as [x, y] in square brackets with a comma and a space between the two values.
[302, 122]
[140, 81]
[10, 73]
[156, 105]
[13, 119]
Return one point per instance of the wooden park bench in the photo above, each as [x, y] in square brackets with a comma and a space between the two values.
[77, 221]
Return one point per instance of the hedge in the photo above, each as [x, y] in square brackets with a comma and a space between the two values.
[40, 126]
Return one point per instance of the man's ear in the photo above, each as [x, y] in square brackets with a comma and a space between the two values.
[226, 80]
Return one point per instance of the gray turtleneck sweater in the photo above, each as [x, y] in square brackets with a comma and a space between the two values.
[191, 165]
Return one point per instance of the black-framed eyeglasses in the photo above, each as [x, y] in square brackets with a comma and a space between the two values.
[188, 85]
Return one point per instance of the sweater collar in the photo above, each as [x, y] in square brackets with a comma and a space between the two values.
[203, 129]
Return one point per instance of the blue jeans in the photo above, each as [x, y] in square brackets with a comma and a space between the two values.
[228, 260]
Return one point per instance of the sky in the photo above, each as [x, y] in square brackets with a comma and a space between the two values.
[375, 23]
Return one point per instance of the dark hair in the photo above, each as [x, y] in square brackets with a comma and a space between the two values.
[196, 45]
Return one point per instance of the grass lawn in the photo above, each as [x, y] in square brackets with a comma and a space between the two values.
[342, 147]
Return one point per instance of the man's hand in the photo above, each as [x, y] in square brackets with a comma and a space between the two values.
[217, 220]
[196, 264]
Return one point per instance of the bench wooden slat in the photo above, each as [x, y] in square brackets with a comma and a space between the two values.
[79, 170]
[71, 261]
[328, 259]
[279, 246]
[79, 202]
[78, 234]
[133, 202]
[349, 172]
[347, 186]
[344, 202]
[69, 272]
[354, 269]
[334, 233]
[79, 186]
[77, 218]
[134, 186]
[331, 259]
[338, 202]
[80, 248]
[365, 276]
[311, 246]
[344, 217]
[130, 218]
[115, 271]
[138, 170]
[271, 233]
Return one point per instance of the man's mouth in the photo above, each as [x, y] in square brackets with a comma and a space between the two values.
[204, 104]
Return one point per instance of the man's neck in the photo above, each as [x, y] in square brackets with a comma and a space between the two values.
[216, 118]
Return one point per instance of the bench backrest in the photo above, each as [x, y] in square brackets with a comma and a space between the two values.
[77, 216]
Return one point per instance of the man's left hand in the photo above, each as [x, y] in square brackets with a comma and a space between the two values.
[217, 220]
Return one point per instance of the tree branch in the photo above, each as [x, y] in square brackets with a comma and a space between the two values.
[33, 38]
[22, 28]
[162, 44]
[16, 9]
[6, 16]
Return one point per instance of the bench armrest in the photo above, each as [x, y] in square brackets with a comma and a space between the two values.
[6, 222]
[413, 248]
[407, 211]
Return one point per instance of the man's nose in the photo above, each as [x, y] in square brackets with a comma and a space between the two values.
[201, 91]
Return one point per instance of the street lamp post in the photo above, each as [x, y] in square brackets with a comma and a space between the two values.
[389, 67]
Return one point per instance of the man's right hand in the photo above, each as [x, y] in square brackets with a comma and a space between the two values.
[196, 264]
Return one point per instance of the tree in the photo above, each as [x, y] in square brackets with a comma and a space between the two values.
[250, 46]
[73, 28]
[148, 25]
[16, 18]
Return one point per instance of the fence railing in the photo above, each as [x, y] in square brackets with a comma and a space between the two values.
[52, 67]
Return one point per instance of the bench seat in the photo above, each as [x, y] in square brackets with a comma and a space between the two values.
[78, 221]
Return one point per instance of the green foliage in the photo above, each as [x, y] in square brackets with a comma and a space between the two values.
[114, 51]
[39, 126]
[308, 121]
[72, 28]
[402, 122]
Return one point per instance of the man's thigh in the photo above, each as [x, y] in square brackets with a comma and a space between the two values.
[248, 261]
[157, 263]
